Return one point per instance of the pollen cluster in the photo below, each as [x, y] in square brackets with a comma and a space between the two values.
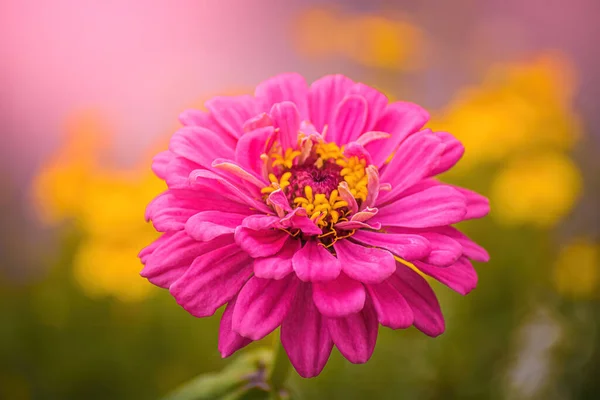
[320, 208]
[353, 171]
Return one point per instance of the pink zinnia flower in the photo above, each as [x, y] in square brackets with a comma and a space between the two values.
[310, 208]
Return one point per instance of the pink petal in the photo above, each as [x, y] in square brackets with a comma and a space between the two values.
[193, 117]
[147, 251]
[286, 118]
[285, 87]
[385, 187]
[428, 316]
[355, 149]
[260, 243]
[406, 246]
[470, 248]
[347, 196]
[340, 297]
[178, 172]
[460, 276]
[305, 336]
[295, 220]
[422, 185]
[230, 341]
[279, 265]
[279, 202]
[200, 146]
[259, 222]
[435, 206]
[376, 102]
[163, 274]
[170, 210]
[364, 264]
[250, 180]
[478, 206]
[415, 159]
[364, 215]
[445, 251]
[324, 96]
[355, 335]
[207, 225]
[354, 225]
[170, 213]
[349, 120]
[314, 263]
[260, 121]
[453, 152]
[160, 162]
[372, 136]
[262, 306]
[372, 187]
[172, 254]
[197, 118]
[250, 147]
[232, 112]
[204, 180]
[392, 309]
[214, 202]
[400, 119]
[309, 131]
[212, 280]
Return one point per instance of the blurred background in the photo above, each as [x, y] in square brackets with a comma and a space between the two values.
[90, 90]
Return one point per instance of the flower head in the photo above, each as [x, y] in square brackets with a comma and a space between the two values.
[310, 208]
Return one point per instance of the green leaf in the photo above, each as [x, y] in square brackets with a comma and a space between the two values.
[242, 379]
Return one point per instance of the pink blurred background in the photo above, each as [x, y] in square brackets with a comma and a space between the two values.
[140, 62]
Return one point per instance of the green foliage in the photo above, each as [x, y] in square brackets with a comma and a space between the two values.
[243, 379]
[56, 343]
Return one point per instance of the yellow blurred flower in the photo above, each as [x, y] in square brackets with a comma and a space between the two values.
[374, 41]
[80, 184]
[577, 269]
[539, 189]
[521, 118]
[58, 186]
[106, 268]
[519, 108]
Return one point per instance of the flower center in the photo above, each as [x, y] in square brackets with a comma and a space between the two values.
[322, 180]
[311, 179]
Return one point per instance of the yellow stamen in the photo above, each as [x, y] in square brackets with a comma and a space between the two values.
[292, 234]
[389, 159]
[319, 207]
[354, 172]
[315, 216]
[340, 204]
[286, 160]
[324, 235]
[353, 168]
[329, 151]
[276, 184]
[411, 266]
[309, 193]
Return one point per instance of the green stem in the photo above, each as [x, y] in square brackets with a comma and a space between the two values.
[280, 370]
